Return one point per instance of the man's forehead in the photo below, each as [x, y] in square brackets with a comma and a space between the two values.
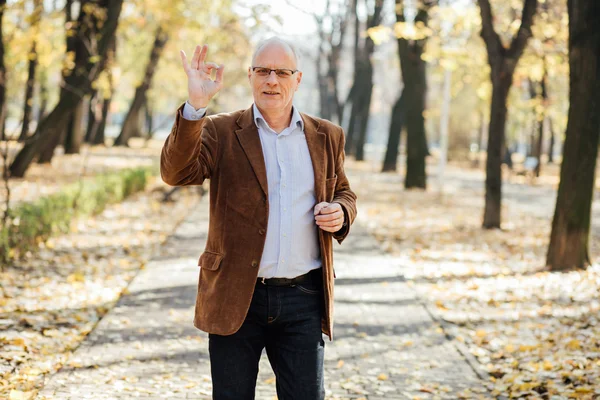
[275, 49]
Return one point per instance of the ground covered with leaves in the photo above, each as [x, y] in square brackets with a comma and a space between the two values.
[44, 179]
[535, 334]
[50, 300]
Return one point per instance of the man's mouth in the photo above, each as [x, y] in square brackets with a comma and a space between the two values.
[270, 93]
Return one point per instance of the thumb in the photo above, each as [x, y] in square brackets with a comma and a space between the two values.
[319, 207]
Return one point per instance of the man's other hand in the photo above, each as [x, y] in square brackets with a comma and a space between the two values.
[329, 216]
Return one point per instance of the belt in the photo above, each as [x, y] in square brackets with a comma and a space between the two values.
[309, 276]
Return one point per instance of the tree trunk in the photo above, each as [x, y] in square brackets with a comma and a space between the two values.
[493, 167]
[503, 62]
[43, 95]
[415, 89]
[93, 116]
[540, 138]
[90, 33]
[29, 86]
[149, 121]
[572, 217]
[99, 136]
[416, 147]
[74, 134]
[391, 154]
[552, 142]
[361, 91]
[131, 126]
[364, 111]
[321, 76]
[52, 126]
[534, 121]
[2, 73]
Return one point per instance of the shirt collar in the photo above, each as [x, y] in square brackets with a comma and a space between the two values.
[296, 118]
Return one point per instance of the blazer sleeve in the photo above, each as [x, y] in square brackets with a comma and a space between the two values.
[343, 194]
[189, 153]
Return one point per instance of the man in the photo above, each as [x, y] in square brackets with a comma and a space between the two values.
[278, 195]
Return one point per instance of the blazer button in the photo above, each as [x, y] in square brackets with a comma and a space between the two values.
[261, 231]
[255, 263]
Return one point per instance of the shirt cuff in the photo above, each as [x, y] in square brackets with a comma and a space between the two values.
[190, 113]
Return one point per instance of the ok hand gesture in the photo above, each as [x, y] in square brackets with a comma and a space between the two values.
[201, 87]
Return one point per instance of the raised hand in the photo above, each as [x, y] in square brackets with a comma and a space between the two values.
[201, 87]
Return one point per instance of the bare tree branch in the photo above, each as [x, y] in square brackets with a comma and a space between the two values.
[518, 43]
[488, 33]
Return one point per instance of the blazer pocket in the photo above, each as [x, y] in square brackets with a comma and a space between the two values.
[330, 188]
[210, 260]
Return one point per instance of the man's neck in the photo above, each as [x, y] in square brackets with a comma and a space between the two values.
[278, 120]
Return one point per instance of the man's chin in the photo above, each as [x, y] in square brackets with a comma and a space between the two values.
[270, 104]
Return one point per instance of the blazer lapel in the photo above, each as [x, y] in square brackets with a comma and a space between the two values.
[315, 140]
[250, 141]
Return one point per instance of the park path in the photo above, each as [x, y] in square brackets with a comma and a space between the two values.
[386, 344]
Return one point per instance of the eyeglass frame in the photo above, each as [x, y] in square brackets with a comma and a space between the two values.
[275, 70]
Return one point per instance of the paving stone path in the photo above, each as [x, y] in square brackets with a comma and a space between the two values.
[386, 345]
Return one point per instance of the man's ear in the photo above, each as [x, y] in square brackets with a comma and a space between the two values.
[299, 79]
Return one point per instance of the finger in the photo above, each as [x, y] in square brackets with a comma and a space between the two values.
[208, 67]
[219, 78]
[195, 57]
[184, 62]
[202, 55]
[328, 217]
[329, 224]
[329, 229]
[331, 208]
[330, 221]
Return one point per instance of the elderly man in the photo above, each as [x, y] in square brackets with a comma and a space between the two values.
[278, 196]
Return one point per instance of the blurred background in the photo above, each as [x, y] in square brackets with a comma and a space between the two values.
[471, 140]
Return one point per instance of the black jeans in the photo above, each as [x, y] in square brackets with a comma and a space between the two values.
[287, 322]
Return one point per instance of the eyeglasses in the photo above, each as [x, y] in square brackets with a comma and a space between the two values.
[280, 72]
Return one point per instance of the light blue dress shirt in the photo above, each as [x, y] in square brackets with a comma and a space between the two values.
[292, 241]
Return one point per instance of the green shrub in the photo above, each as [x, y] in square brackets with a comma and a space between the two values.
[32, 223]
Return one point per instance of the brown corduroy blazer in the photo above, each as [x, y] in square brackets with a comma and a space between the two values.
[226, 148]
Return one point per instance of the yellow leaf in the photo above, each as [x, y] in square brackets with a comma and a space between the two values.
[574, 345]
[17, 342]
[382, 377]
[340, 364]
[76, 277]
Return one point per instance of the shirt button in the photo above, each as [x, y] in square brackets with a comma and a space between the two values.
[261, 231]
[254, 263]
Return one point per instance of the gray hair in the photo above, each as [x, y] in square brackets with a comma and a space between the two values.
[275, 39]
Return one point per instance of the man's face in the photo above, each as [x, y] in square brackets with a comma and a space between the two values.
[272, 92]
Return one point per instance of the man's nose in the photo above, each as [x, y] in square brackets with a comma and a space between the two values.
[272, 78]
